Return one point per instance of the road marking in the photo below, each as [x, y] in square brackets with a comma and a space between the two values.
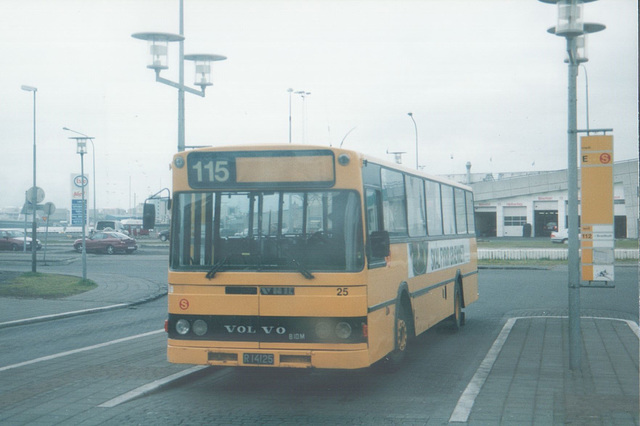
[462, 411]
[465, 403]
[79, 350]
[59, 316]
[153, 386]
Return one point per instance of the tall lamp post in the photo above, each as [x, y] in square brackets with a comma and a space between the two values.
[410, 114]
[158, 48]
[81, 148]
[34, 190]
[571, 26]
[93, 155]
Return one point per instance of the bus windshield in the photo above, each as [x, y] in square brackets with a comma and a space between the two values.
[298, 231]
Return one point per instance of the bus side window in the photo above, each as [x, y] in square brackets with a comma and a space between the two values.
[374, 224]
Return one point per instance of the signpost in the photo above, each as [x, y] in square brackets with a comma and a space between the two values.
[597, 242]
[33, 196]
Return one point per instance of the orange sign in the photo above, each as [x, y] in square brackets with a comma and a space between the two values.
[597, 240]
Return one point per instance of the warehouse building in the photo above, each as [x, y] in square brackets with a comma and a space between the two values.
[533, 204]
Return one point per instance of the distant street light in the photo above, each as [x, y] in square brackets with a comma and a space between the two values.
[158, 48]
[410, 114]
[34, 191]
[289, 90]
[93, 153]
[573, 28]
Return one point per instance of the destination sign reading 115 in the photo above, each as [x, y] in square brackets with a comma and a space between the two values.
[309, 168]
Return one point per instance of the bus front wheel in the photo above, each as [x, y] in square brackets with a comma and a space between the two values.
[394, 359]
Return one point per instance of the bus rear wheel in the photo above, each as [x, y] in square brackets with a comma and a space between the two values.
[457, 318]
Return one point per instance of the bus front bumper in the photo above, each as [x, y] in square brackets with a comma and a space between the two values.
[228, 357]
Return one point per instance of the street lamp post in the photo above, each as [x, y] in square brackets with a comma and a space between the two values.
[81, 148]
[93, 155]
[34, 200]
[571, 26]
[158, 48]
[410, 114]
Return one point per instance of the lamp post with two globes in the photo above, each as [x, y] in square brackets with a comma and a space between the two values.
[571, 26]
[158, 49]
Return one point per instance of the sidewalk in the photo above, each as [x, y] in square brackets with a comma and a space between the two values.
[526, 379]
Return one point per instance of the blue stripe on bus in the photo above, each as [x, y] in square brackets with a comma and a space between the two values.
[417, 293]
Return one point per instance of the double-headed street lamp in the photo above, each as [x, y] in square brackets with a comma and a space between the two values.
[303, 94]
[158, 49]
[572, 27]
[34, 189]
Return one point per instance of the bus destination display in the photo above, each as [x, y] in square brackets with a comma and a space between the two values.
[310, 168]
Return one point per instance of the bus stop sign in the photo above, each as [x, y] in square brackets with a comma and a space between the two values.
[597, 226]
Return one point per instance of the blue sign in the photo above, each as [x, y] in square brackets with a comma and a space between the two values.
[76, 212]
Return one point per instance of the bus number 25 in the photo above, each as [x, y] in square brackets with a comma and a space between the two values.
[218, 172]
[343, 291]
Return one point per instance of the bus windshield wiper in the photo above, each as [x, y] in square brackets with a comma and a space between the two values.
[305, 273]
[216, 268]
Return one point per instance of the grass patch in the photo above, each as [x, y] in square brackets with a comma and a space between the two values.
[44, 286]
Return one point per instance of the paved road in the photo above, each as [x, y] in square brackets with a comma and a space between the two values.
[71, 371]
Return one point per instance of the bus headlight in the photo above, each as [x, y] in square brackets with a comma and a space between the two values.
[200, 327]
[343, 330]
[182, 327]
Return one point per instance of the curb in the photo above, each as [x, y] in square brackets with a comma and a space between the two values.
[53, 317]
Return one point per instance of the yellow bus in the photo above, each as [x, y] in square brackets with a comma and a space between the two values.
[312, 257]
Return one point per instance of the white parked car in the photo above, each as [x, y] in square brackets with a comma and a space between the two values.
[561, 236]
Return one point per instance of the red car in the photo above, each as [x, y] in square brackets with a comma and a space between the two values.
[108, 242]
[13, 239]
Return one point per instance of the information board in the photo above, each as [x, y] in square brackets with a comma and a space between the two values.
[597, 236]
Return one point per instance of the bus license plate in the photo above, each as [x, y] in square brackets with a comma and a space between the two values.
[257, 359]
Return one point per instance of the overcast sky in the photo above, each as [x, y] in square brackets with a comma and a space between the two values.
[484, 80]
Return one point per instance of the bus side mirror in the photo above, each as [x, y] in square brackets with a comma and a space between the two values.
[379, 243]
[149, 216]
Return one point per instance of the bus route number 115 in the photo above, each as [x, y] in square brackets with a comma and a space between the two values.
[212, 171]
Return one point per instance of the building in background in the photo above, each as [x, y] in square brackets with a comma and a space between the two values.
[534, 204]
